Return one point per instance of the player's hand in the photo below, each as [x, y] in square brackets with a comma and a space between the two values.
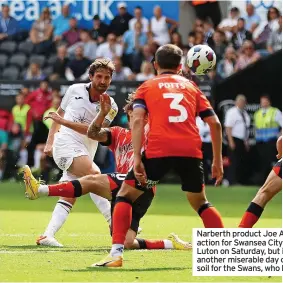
[55, 117]
[48, 150]
[105, 104]
[217, 171]
[140, 172]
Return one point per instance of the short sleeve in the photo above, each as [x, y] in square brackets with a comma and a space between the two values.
[278, 117]
[112, 138]
[139, 100]
[66, 98]
[229, 119]
[204, 108]
[112, 113]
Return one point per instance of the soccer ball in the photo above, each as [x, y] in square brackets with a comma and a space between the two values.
[201, 59]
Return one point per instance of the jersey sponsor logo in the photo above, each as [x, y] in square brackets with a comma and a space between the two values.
[124, 149]
[78, 97]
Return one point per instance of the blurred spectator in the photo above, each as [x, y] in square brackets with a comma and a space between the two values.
[252, 19]
[206, 9]
[41, 33]
[219, 44]
[199, 38]
[264, 30]
[204, 132]
[77, 68]
[134, 40]
[240, 34]
[34, 72]
[6, 122]
[61, 23]
[24, 91]
[198, 25]
[72, 35]
[176, 39]
[60, 65]
[145, 55]
[191, 40]
[208, 31]
[248, 56]
[225, 67]
[237, 123]
[22, 115]
[16, 145]
[99, 30]
[87, 43]
[120, 23]
[229, 24]
[44, 163]
[158, 27]
[55, 93]
[147, 72]
[110, 49]
[139, 18]
[9, 27]
[121, 73]
[275, 39]
[39, 100]
[268, 124]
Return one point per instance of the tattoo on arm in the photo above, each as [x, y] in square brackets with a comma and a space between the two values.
[95, 132]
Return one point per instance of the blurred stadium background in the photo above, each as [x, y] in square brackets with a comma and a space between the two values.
[45, 46]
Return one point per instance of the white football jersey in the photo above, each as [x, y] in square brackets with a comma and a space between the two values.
[78, 108]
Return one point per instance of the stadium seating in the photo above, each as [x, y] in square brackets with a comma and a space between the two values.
[18, 60]
[26, 47]
[8, 47]
[38, 59]
[11, 73]
[3, 60]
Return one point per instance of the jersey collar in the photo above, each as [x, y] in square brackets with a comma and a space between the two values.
[168, 73]
[89, 97]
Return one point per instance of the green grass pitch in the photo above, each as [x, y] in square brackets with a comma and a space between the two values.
[86, 238]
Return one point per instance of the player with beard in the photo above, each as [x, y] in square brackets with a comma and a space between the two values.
[72, 150]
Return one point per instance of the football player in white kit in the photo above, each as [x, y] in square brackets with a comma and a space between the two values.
[73, 152]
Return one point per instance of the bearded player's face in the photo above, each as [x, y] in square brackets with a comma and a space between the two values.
[101, 80]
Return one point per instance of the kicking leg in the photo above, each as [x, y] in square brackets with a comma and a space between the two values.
[271, 187]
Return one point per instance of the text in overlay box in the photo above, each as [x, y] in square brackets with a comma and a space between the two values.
[238, 252]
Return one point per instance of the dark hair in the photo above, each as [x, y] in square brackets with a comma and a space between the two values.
[191, 33]
[168, 56]
[5, 5]
[276, 10]
[101, 63]
[234, 9]
[242, 19]
[266, 96]
[138, 7]
[96, 17]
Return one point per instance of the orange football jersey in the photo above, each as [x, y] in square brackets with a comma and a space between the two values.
[173, 102]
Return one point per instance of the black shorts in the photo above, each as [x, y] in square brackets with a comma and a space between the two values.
[139, 207]
[277, 168]
[189, 169]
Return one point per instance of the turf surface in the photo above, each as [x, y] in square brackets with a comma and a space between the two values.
[86, 238]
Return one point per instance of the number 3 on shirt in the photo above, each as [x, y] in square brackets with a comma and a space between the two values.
[177, 98]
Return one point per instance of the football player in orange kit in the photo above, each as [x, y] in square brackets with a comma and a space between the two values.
[172, 102]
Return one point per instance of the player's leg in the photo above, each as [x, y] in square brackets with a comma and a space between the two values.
[271, 187]
[155, 169]
[191, 173]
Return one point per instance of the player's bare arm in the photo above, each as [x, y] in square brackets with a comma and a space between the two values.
[279, 147]
[97, 129]
[139, 116]
[216, 137]
[230, 138]
[53, 130]
[78, 127]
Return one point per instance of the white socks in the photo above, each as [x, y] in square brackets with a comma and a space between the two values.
[37, 157]
[168, 245]
[59, 216]
[103, 206]
[23, 157]
[117, 250]
[43, 190]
